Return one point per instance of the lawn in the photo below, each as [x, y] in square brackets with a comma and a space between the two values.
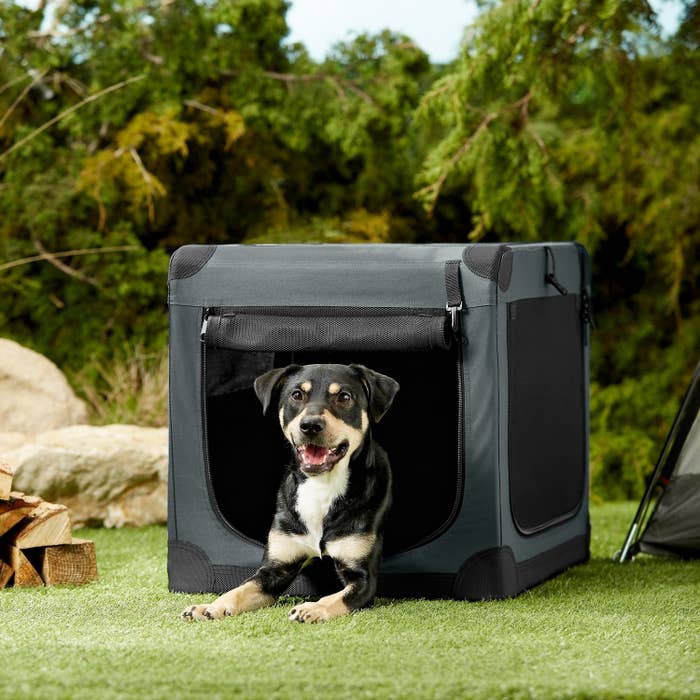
[601, 630]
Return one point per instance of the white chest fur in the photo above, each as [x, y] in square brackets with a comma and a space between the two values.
[314, 499]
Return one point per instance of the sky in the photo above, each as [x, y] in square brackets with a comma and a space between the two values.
[435, 25]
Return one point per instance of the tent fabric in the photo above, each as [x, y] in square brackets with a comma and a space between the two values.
[676, 521]
[689, 458]
[668, 517]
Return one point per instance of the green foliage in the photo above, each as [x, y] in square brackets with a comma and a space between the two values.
[574, 120]
[131, 388]
[144, 124]
[228, 134]
[358, 226]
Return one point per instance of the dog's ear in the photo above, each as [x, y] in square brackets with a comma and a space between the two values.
[267, 385]
[380, 390]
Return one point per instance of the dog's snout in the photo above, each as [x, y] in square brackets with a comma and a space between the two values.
[312, 425]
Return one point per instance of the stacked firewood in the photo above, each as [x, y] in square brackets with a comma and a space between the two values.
[36, 544]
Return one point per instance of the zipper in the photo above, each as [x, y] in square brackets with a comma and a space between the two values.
[205, 436]
[205, 323]
[217, 330]
[326, 311]
[461, 467]
[586, 304]
[455, 305]
[587, 308]
[453, 310]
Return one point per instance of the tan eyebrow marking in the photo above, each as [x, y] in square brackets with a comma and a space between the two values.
[334, 388]
[306, 386]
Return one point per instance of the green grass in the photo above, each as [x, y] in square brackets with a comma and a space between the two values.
[599, 631]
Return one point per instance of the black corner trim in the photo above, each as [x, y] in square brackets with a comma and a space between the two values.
[493, 573]
[493, 262]
[489, 574]
[188, 260]
[189, 568]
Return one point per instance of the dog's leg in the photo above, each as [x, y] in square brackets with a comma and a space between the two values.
[357, 563]
[248, 596]
[282, 561]
[259, 591]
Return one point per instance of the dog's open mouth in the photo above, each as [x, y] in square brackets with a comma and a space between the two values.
[316, 459]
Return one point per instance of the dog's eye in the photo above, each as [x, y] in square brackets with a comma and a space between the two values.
[344, 397]
[297, 395]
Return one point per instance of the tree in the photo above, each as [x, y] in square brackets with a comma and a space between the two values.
[208, 128]
[574, 120]
[134, 126]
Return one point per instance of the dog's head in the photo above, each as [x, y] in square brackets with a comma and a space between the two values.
[325, 410]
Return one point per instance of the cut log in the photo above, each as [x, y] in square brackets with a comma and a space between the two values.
[18, 498]
[47, 524]
[7, 471]
[6, 572]
[16, 508]
[25, 573]
[9, 519]
[69, 563]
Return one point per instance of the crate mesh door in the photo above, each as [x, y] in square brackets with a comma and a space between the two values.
[247, 454]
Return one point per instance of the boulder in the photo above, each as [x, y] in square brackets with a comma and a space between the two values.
[34, 394]
[9, 441]
[110, 475]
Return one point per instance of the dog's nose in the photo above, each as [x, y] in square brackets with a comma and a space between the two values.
[312, 425]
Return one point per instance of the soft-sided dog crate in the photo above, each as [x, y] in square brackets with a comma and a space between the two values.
[487, 437]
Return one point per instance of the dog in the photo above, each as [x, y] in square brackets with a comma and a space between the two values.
[335, 495]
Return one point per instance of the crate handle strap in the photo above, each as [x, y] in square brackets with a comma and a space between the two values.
[551, 277]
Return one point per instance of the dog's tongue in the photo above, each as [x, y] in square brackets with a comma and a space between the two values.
[314, 454]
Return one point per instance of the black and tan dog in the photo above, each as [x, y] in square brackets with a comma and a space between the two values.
[334, 496]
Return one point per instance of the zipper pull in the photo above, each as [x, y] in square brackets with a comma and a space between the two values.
[205, 321]
[453, 291]
[453, 311]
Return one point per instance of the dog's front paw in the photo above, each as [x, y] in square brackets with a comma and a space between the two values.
[309, 612]
[194, 612]
[212, 611]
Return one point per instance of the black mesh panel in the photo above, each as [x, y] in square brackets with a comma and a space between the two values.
[546, 422]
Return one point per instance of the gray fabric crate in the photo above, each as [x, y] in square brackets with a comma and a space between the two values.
[488, 436]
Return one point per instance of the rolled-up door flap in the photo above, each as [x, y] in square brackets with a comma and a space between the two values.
[333, 329]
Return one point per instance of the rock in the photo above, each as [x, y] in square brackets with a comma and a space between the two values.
[34, 394]
[110, 475]
[9, 441]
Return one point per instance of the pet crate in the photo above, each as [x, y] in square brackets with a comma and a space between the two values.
[487, 437]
